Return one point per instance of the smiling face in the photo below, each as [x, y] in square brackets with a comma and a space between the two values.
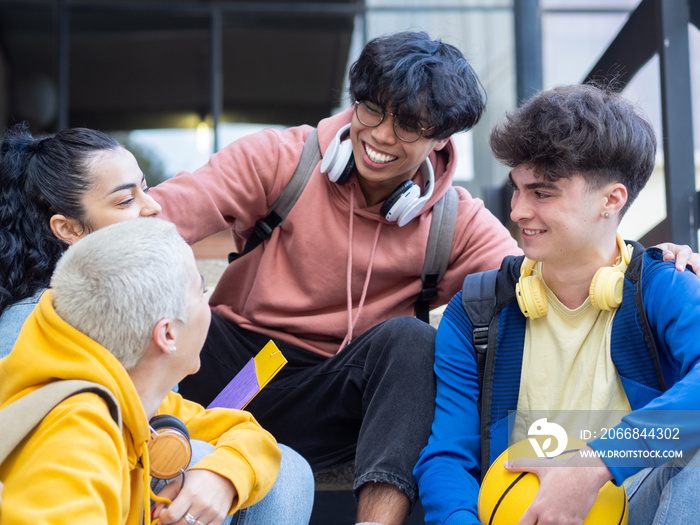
[118, 192]
[563, 221]
[382, 160]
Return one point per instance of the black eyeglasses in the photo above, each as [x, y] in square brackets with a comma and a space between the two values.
[371, 115]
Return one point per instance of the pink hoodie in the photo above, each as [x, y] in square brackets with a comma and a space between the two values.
[335, 267]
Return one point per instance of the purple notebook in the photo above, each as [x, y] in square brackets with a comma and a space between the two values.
[240, 389]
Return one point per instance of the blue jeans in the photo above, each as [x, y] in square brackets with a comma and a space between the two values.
[12, 320]
[669, 494]
[289, 501]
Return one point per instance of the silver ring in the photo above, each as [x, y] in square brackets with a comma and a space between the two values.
[191, 520]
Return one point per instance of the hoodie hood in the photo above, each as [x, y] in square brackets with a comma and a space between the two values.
[444, 161]
[49, 349]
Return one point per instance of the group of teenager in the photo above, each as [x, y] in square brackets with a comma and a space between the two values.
[86, 293]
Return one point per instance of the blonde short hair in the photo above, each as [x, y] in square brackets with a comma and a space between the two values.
[116, 283]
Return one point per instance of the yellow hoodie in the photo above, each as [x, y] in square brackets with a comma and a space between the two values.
[76, 467]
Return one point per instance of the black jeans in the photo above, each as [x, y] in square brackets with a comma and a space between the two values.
[372, 403]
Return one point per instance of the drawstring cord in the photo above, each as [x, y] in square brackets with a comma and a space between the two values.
[348, 278]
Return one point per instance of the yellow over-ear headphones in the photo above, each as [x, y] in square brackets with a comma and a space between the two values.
[606, 286]
[605, 292]
[530, 291]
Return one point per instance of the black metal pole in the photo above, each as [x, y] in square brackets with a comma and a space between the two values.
[528, 48]
[63, 66]
[676, 101]
[216, 73]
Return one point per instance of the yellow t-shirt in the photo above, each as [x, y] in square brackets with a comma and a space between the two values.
[569, 370]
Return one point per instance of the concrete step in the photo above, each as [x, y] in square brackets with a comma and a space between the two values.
[334, 502]
[338, 507]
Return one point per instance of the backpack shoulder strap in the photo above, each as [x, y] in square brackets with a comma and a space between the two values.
[634, 275]
[485, 296]
[479, 302]
[437, 252]
[19, 418]
[310, 157]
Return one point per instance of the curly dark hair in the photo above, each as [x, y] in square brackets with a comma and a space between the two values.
[417, 76]
[40, 178]
[580, 129]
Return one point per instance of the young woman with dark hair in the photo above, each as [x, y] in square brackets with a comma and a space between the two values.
[53, 191]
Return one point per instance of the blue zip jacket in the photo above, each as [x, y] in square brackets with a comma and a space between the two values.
[449, 468]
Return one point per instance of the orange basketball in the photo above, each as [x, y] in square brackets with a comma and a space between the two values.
[504, 495]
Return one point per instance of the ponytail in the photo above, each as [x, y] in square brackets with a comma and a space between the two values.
[38, 179]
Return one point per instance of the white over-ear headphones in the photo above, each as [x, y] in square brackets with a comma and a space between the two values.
[403, 204]
[338, 161]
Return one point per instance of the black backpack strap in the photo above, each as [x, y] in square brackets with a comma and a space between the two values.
[634, 274]
[479, 302]
[437, 252]
[310, 157]
[484, 295]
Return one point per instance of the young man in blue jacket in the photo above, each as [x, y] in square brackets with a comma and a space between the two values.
[571, 335]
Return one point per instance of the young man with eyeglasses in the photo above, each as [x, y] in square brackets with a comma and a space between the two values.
[335, 284]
